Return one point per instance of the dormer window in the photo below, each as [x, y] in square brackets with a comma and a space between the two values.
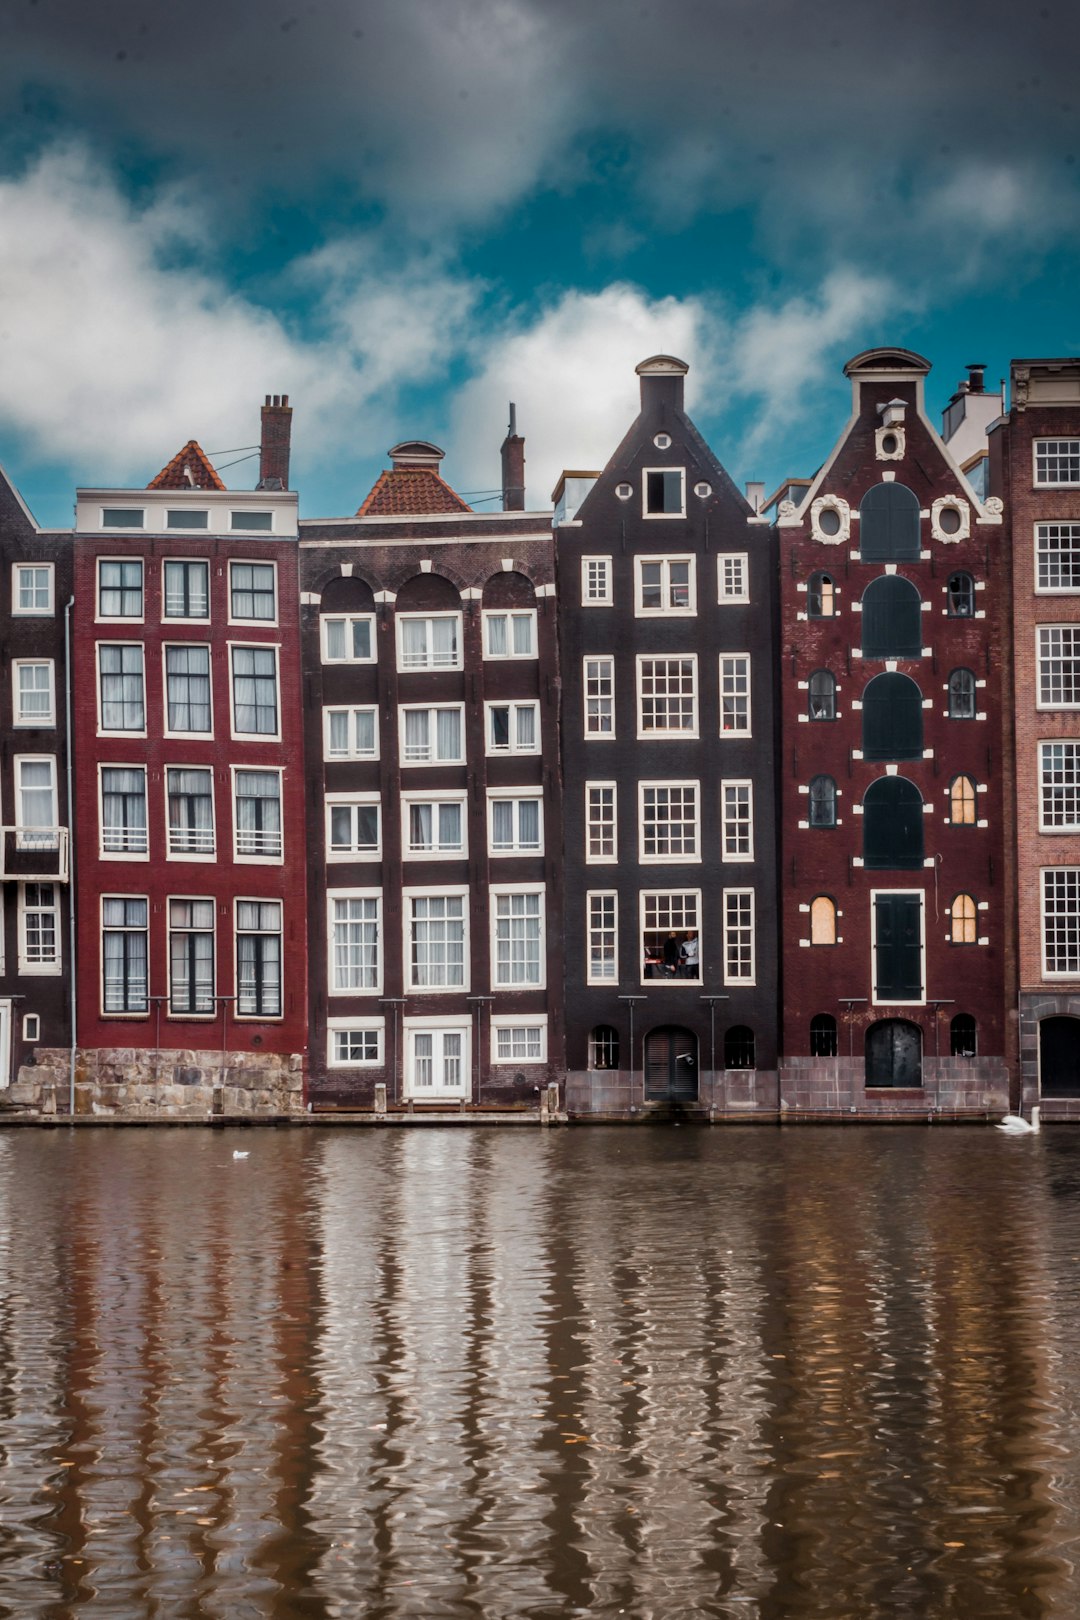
[665, 492]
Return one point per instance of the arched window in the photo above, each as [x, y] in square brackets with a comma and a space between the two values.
[889, 524]
[603, 1047]
[960, 596]
[739, 1048]
[892, 825]
[821, 596]
[823, 1035]
[822, 705]
[892, 725]
[964, 920]
[891, 619]
[963, 1036]
[822, 801]
[822, 920]
[961, 695]
[962, 812]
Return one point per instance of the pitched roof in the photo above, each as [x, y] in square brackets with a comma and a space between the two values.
[411, 492]
[190, 468]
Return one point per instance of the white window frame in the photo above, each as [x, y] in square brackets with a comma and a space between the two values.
[238, 526]
[431, 709]
[501, 891]
[598, 932]
[1073, 743]
[352, 802]
[516, 795]
[1044, 444]
[38, 722]
[185, 646]
[348, 620]
[351, 710]
[602, 568]
[683, 785]
[604, 672]
[744, 658]
[210, 854]
[253, 562]
[513, 705]
[187, 519]
[444, 891]
[405, 618]
[664, 561]
[132, 731]
[738, 562]
[260, 900]
[254, 646]
[183, 618]
[29, 835]
[1046, 874]
[921, 896]
[360, 1026]
[247, 857]
[666, 733]
[738, 896]
[669, 893]
[600, 825]
[122, 854]
[669, 471]
[510, 614]
[438, 852]
[49, 967]
[332, 987]
[122, 1013]
[47, 568]
[728, 822]
[507, 1023]
[436, 1026]
[1045, 630]
[193, 899]
[119, 618]
[1041, 550]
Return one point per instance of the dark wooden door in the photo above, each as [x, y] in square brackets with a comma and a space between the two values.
[671, 1065]
[1059, 1057]
[898, 937]
[894, 1054]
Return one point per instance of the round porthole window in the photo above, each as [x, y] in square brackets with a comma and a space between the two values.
[624, 491]
[663, 441]
[890, 444]
[829, 520]
[949, 520]
[703, 491]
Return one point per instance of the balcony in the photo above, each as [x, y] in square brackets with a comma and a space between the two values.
[34, 854]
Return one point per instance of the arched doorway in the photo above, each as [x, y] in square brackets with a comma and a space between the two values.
[894, 1053]
[1059, 1057]
[671, 1065]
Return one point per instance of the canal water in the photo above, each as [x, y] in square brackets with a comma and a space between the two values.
[492, 1373]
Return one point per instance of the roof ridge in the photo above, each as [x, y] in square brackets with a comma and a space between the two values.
[190, 468]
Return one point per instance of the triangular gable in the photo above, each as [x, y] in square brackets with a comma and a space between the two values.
[190, 468]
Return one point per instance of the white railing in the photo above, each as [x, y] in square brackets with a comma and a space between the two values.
[34, 854]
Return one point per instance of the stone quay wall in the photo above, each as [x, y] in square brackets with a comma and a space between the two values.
[156, 1084]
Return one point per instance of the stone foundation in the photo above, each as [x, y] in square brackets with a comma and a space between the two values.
[144, 1084]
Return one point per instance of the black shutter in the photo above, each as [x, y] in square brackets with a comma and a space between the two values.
[892, 718]
[892, 825]
[891, 619]
[889, 524]
[897, 935]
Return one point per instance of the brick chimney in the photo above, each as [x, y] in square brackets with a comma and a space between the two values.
[274, 445]
[513, 467]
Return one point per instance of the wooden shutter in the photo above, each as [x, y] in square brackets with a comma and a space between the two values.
[889, 524]
[892, 718]
[898, 941]
[891, 619]
[892, 825]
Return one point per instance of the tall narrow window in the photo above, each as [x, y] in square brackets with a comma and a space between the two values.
[737, 811]
[596, 582]
[258, 958]
[667, 696]
[123, 810]
[518, 945]
[191, 957]
[961, 695]
[354, 942]
[40, 937]
[962, 802]
[822, 920]
[35, 803]
[891, 619]
[738, 936]
[34, 692]
[822, 801]
[122, 695]
[964, 920]
[602, 938]
[258, 814]
[1059, 784]
[187, 688]
[124, 927]
[892, 725]
[187, 589]
[190, 794]
[821, 701]
[437, 942]
[823, 1035]
[600, 830]
[735, 694]
[120, 590]
[821, 597]
[960, 596]
[255, 696]
[599, 681]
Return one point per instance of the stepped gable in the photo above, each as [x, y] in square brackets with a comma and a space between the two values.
[190, 468]
[412, 486]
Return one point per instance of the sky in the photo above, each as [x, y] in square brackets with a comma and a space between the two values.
[406, 213]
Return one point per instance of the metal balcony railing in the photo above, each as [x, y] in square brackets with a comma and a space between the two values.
[34, 854]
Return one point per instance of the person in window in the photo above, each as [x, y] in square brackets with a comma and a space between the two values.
[671, 955]
[689, 955]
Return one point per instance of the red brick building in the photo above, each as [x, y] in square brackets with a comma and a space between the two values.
[1035, 470]
[190, 796]
[895, 913]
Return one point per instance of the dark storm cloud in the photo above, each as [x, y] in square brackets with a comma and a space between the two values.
[848, 118]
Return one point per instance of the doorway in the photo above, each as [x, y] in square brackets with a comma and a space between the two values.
[671, 1065]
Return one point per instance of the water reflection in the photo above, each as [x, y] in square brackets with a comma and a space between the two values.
[811, 1373]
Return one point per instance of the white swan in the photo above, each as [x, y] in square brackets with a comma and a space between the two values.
[1017, 1125]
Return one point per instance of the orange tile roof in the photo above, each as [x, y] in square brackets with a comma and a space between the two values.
[411, 492]
[190, 468]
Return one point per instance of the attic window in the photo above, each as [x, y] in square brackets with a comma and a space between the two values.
[664, 493]
[663, 441]
[183, 518]
[829, 520]
[624, 491]
[703, 491]
[949, 520]
[122, 517]
[263, 522]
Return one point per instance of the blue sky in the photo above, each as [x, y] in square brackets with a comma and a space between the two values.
[405, 213]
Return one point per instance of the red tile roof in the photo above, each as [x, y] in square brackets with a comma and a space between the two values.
[411, 492]
[189, 469]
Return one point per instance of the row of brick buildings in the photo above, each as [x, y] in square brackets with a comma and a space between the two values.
[672, 797]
